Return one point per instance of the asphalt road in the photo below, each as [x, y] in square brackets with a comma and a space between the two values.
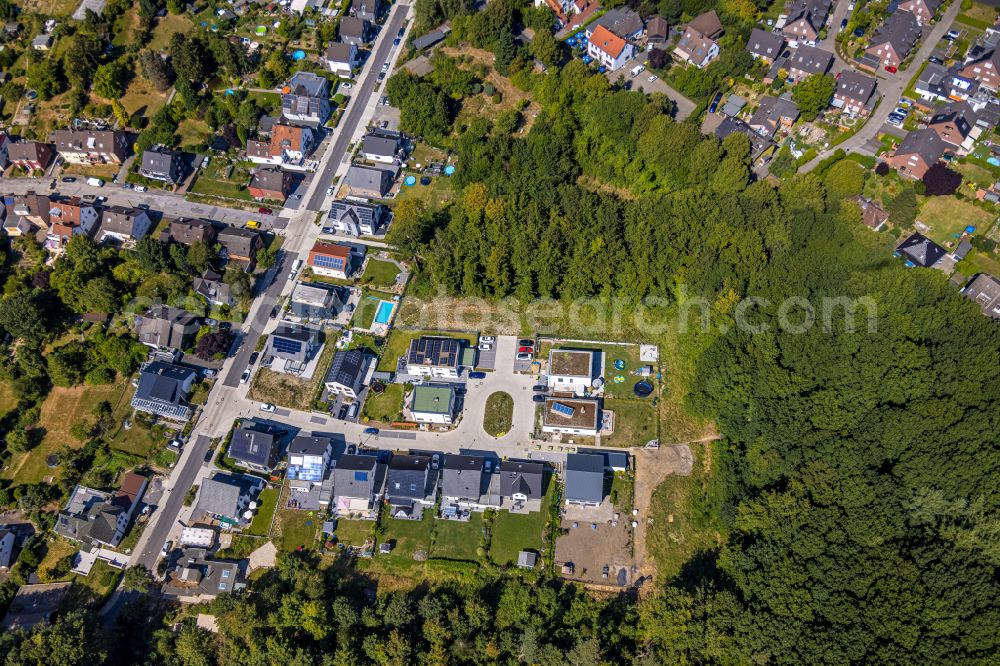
[171, 505]
[356, 107]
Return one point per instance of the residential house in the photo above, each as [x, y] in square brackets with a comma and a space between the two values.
[854, 92]
[254, 448]
[584, 479]
[382, 147]
[571, 370]
[15, 225]
[985, 69]
[94, 517]
[186, 231]
[288, 146]
[356, 485]
[432, 356]
[620, 21]
[918, 152]
[954, 122]
[342, 58]
[35, 208]
[766, 46]
[357, 219]
[308, 461]
[240, 244]
[213, 289]
[984, 291]
[163, 165]
[163, 390]
[8, 537]
[657, 32]
[306, 99]
[123, 225]
[164, 327]
[433, 403]
[355, 31]
[895, 39]
[772, 114]
[761, 147]
[331, 260]
[805, 20]
[873, 216]
[430, 39]
[300, 6]
[522, 482]
[527, 559]
[463, 483]
[34, 605]
[922, 10]
[369, 10]
[42, 42]
[314, 302]
[67, 218]
[348, 372]
[30, 155]
[576, 416]
[198, 578]
[809, 60]
[698, 44]
[226, 498]
[295, 345]
[270, 184]
[609, 49]
[92, 146]
[369, 182]
[918, 250]
[409, 483]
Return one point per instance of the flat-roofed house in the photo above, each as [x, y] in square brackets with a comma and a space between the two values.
[571, 370]
[309, 459]
[314, 302]
[433, 356]
[163, 390]
[306, 99]
[295, 345]
[571, 416]
[433, 403]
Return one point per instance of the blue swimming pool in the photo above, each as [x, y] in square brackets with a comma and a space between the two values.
[383, 313]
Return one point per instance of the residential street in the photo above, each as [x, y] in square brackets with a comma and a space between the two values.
[891, 90]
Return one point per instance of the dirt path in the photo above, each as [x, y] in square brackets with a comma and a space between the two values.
[652, 466]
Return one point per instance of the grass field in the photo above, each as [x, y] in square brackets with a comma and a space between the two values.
[385, 407]
[364, 315]
[948, 216]
[267, 504]
[513, 533]
[635, 422]
[297, 528]
[192, 132]
[166, 26]
[455, 540]
[499, 414]
[978, 262]
[435, 196]
[141, 99]
[353, 532]
[407, 536]
[399, 342]
[379, 273]
[8, 399]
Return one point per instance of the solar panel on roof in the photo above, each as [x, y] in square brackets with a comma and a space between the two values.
[287, 346]
[560, 408]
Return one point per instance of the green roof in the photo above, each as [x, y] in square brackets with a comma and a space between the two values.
[432, 399]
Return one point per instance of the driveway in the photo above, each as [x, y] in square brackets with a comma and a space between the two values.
[642, 82]
[891, 87]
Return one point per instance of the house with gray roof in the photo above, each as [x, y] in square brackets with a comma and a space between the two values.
[954, 123]
[357, 486]
[163, 390]
[369, 182]
[307, 100]
[430, 39]
[584, 477]
[254, 448]
[166, 165]
[164, 327]
[355, 218]
[226, 498]
[409, 484]
[378, 148]
[772, 114]
[190, 230]
[342, 58]
[916, 153]
[620, 21]
[921, 251]
[466, 485]
[94, 517]
[521, 484]
[356, 31]
[92, 146]
[808, 60]
[8, 538]
[314, 302]
[293, 346]
[894, 40]
[766, 46]
[198, 578]
[984, 291]
[309, 459]
[123, 225]
[854, 92]
[369, 10]
[240, 244]
[213, 289]
[348, 372]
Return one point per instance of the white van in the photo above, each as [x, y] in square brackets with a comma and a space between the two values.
[95, 182]
[295, 269]
[637, 70]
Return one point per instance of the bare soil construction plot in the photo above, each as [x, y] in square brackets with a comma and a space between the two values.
[652, 466]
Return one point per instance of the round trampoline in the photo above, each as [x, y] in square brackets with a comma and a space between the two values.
[230, 91]
[260, 31]
[31, 95]
[619, 364]
[425, 181]
[449, 170]
[409, 181]
[299, 55]
[642, 389]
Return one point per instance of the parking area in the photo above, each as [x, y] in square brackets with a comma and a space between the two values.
[386, 114]
[642, 82]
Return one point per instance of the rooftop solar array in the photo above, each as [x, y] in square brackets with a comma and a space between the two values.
[560, 408]
[434, 351]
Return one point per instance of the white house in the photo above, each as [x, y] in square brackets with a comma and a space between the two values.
[609, 49]
[571, 370]
[571, 416]
[433, 403]
[342, 58]
[430, 356]
[300, 6]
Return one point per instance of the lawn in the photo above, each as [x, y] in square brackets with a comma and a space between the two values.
[385, 407]
[499, 414]
[268, 101]
[55, 8]
[8, 399]
[166, 26]
[456, 540]
[353, 532]
[947, 217]
[407, 536]
[399, 342]
[297, 528]
[141, 99]
[364, 315]
[978, 262]
[379, 273]
[513, 532]
[192, 132]
[627, 353]
[435, 196]
[974, 173]
[268, 502]
[635, 422]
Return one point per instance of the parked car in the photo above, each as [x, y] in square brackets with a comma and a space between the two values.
[402, 31]
[210, 373]
[342, 414]
[329, 191]
[526, 342]
[435, 461]
[385, 67]
[143, 206]
[850, 7]
[352, 410]
[69, 179]
[264, 211]
[385, 101]
[345, 85]
[843, 24]
[274, 312]
[485, 346]
[253, 358]
[127, 186]
[211, 322]
[525, 350]
[954, 34]
[523, 356]
[488, 466]
[167, 545]
[901, 111]
[487, 338]
[52, 185]
[538, 397]
[653, 78]
[267, 407]
[396, 41]
[715, 102]
[140, 188]
[935, 60]
[225, 326]
[477, 374]
[384, 124]
[295, 196]
[371, 431]
[208, 455]
[891, 69]
[539, 388]
[245, 377]
[381, 76]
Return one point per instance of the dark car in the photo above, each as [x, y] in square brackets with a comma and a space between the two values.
[525, 342]
[715, 102]
[843, 24]
[52, 185]
[538, 397]
[342, 414]
[225, 326]
[396, 41]
[477, 375]
[274, 312]
[371, 431]
[208, 455]
[253, 358]
[540, 388]
[935, 60]
[69, 179]
[143, 206]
